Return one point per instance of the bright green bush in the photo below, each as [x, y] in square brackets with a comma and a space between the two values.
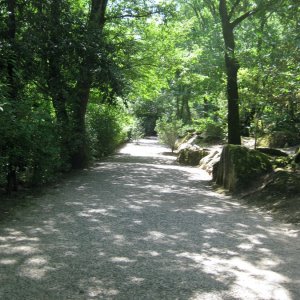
[168, 131]
[211, 130]
[136, 130]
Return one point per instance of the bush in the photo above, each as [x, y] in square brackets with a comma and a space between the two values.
[136, 130]
[107, 128]
[168, 131]
[30, 150]
[210, 130]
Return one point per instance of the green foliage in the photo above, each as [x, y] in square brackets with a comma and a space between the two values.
[210, 129]
[29, 146]
[60, 64]
[136, 130]
[168, 130]
[107, 128]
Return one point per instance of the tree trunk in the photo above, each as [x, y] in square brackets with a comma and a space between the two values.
[80, 155]
[187, 117]
[232, 67]
[56, 83]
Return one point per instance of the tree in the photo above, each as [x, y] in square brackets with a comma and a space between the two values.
[95, 24]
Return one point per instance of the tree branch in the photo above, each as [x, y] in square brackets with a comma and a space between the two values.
[243, 17]
[131, 15]
[198, 14]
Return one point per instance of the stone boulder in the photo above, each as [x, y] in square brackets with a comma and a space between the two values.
[280, 139]
[190, 140]
[191, 155]
[207, 163]
[272, 152]
[284, 182]
[297, 157]
[238, 166]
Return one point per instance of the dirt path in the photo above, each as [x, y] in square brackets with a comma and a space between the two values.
[138, 226]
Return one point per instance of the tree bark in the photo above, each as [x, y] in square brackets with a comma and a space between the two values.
[232, 67]
[96, 22]
[55, 82]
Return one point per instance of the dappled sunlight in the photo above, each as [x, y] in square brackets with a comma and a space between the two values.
[253, 281]
[151, 148]
[35, 268]
[143, 225]
[97, 288]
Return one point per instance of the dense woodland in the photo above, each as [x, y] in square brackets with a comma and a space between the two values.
[80, 77]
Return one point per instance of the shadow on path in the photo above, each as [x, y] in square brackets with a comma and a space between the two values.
[138, 226]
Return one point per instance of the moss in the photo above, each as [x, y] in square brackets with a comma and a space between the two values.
[183, 140]
[191, 157]
[279, 139]
[272, 152]
[249, 163]
[239, 166]
[285, 182]
[263, 141]
[281, 162]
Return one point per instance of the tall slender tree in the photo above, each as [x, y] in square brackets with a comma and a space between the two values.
[232, 67]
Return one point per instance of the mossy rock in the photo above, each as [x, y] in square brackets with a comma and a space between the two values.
[189, 139]
[239, 166]
[284, 182]
[282, 139]
[281, 162]
[191, 156]
[272, 152]
[297, 157]
[207, 163]
[182, 140]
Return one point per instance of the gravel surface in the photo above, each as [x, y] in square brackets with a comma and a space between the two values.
[139, 226]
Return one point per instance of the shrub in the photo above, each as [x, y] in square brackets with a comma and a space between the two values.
[210, 130]
[136, 130]
[107, 128]
[168, 131]
[30, 150]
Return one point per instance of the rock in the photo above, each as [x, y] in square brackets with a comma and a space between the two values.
[191, 155]
[207, 163]
[284, 182]
[272, 152]
[182, 140]
[280, 139]
[239, 166]
[297, 157]
[193, 140]
[215, 170]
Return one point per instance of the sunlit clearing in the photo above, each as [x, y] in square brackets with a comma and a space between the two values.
[134, 149]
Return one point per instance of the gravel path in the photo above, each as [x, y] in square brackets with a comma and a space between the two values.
[138, 226]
